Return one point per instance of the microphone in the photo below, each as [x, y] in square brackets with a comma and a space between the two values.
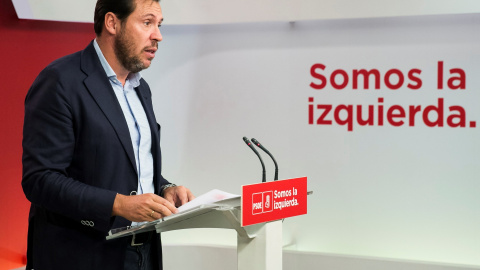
[258, 155]
[266, 151]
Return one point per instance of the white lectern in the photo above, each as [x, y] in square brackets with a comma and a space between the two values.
[259, 246]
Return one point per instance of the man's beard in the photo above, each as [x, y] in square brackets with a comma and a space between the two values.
[125, 52]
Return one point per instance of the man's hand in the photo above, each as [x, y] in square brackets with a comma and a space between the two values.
[178, 196]
[144, 207]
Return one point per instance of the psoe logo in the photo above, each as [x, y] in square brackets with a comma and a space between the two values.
[262, 202]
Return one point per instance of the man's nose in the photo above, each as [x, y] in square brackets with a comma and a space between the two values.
[156, 35]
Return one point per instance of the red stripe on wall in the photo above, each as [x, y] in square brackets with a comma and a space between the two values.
[26, 47]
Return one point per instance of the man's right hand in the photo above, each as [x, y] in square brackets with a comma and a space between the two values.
[144, 207]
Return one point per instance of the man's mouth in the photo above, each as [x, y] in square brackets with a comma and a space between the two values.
[150, 52]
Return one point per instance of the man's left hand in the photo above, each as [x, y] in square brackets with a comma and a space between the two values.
[178, 195]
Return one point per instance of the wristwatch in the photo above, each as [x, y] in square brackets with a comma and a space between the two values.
[162, 188]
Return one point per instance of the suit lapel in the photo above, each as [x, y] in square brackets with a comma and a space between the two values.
[145, 98]
[101, 90]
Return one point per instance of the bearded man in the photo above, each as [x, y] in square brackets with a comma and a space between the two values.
[91, 149]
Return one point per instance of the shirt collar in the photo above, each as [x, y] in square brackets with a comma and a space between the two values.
[134, 78]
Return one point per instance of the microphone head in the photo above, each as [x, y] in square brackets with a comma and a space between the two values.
[255, 141]
[245, 139]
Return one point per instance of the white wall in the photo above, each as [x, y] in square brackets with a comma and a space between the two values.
[403, 193]
[231, 11]
[221, 258]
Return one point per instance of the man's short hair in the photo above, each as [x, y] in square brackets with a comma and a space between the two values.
[121, 8]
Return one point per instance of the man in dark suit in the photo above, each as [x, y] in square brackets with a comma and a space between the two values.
[91, 149]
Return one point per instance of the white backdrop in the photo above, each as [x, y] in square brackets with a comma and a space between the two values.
[232, 11]
[408, 192]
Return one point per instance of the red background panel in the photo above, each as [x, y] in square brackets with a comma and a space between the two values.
[26, 47]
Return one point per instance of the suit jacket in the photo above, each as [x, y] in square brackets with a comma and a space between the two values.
[77, 155]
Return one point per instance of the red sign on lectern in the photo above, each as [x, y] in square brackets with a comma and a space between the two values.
[275, 200]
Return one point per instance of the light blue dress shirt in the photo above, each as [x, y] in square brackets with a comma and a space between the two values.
[137, 123]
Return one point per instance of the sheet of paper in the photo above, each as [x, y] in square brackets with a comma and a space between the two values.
[210, 197]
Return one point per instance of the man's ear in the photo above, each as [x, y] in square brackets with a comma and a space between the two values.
[111, 23]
